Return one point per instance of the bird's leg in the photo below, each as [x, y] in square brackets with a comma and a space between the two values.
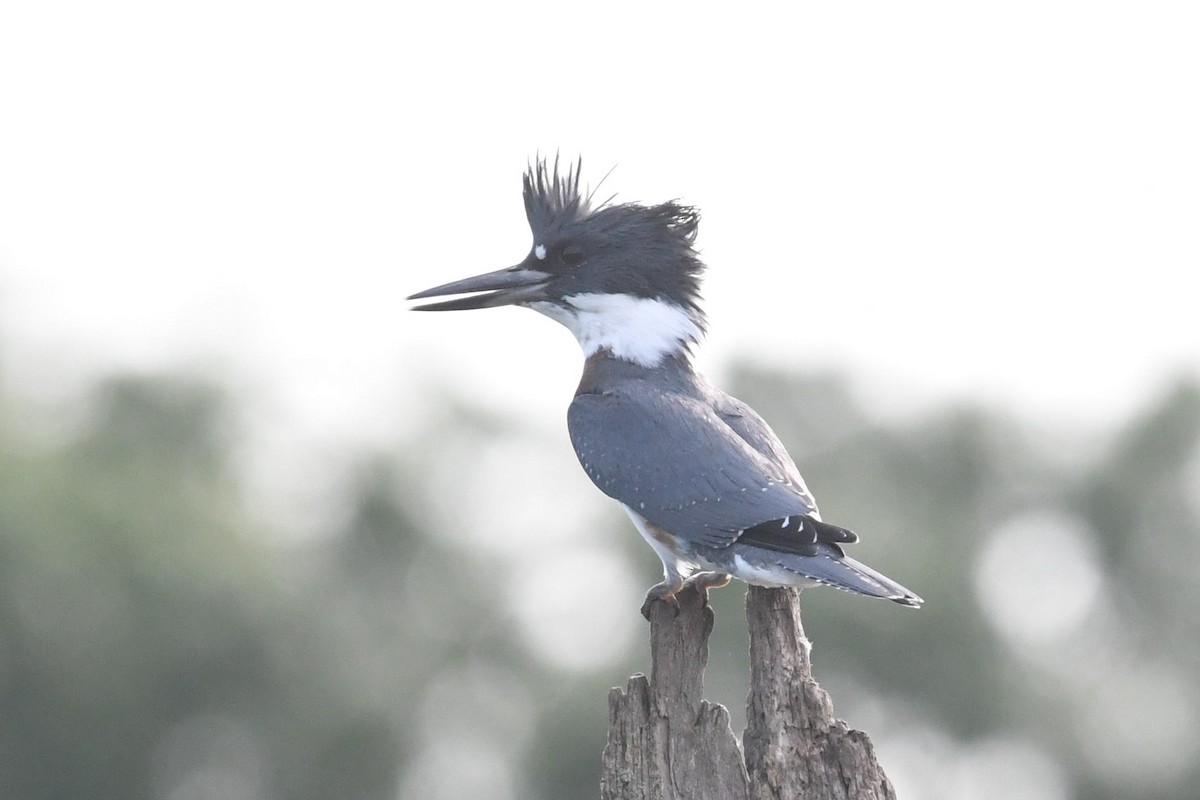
[672, 582]
[665, 591]
[703, 581]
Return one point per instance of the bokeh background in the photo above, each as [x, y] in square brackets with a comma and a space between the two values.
[264, 534]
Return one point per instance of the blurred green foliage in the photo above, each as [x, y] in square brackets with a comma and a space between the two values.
[155, 644]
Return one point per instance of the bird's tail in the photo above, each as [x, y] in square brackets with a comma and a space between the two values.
[849, 575]
[843, 572]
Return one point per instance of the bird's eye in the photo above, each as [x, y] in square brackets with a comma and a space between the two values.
[572, 255]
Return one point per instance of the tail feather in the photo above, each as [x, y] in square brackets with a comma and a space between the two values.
[854, 576]
[828, 567]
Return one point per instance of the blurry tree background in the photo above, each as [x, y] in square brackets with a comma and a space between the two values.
[454, 630]
[306, 568]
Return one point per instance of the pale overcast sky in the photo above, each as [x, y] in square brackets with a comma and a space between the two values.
[997, 201]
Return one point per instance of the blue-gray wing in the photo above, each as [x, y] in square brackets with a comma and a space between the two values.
[676, 461]
[747, 424]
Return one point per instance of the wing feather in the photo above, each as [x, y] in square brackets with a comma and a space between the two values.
[679, 463]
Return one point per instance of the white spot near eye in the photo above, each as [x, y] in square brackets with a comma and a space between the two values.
[540, 252]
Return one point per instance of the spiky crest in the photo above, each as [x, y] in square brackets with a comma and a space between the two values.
[649, 250]
[552, 198]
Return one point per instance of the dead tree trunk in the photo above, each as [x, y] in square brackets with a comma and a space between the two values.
[794, 746]
[667, 743]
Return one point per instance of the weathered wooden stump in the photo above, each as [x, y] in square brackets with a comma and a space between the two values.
[665, 742]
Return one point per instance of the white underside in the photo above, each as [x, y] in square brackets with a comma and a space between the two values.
[673, 568]
[636, 329]
[768, 575]
[676, 569]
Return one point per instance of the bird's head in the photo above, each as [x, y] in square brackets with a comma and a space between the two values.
[622, 277]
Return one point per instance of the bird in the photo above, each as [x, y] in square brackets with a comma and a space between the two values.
[701, 475]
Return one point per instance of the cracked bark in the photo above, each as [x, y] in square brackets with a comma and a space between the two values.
[665, 742]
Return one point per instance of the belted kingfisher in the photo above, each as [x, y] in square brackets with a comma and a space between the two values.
[702, 476]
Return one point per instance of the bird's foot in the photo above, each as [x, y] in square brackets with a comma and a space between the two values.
[703, 581]
[665, 592]
[668, 592]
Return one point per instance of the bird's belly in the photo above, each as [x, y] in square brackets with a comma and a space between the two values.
[751, 565]
[669, 548]
[763, 572]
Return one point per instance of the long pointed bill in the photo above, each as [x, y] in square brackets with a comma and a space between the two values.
[503, 287]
